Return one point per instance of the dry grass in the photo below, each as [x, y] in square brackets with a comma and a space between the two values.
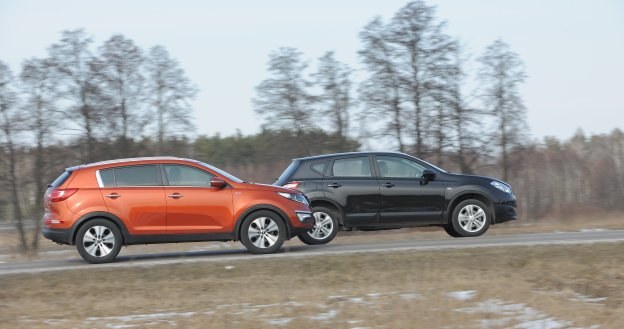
[512, 286]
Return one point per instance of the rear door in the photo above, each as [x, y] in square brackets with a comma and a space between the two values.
[135, 194]
[404, 200]
[192, 205]
[351, 183]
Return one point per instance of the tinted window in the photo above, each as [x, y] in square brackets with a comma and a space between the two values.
[147, 175]
[187, 176]
[352, 167]
[107, 177]
[61, 179]
[319, 167]
[390, 166]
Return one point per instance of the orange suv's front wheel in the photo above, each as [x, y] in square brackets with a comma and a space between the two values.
[263, 232]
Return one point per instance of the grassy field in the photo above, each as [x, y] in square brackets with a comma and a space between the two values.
[573, 286]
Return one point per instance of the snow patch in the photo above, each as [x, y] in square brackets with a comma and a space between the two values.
[325, 316]
[526, 317]
[462, 295]
[280, 321]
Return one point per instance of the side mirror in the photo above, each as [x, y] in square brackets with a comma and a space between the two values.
[427, 176]
[217, 183]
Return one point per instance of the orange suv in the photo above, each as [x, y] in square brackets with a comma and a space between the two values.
[101, 206]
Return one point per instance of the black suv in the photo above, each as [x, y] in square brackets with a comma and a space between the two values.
[385, 190]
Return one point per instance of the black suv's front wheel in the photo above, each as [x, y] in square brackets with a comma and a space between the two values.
[325, 227]
[470, 218]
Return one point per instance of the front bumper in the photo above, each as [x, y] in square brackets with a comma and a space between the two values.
[57, 235]
[504, 213]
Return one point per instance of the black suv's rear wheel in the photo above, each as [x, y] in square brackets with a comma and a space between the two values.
[98, 241]
[325, 227]
[263, 232]
[470, 218]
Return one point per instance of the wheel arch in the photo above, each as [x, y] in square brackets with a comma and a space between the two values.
[98, 215]
[259, 207]
[467, 195]
[330, 204]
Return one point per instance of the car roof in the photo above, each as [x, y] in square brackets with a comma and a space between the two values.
[323, 156]
[134, 160]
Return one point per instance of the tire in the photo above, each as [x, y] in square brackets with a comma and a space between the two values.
[471, 218]
[325, 227]
[451, 231]
[263, 232]
[99, 241]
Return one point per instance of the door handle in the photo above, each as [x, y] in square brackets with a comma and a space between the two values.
[175, 195]
[334, 185]
[388, 185]
[113, 195]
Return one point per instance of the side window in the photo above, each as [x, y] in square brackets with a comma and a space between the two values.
[390, 166]
[145, 175]
[319, 167]
[187, 176]
[107, 177]
[352, 167]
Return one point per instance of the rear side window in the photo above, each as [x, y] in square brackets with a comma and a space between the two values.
[144, 175]
[352, 167]
[61, 179]
[107, 177]
[319, 167]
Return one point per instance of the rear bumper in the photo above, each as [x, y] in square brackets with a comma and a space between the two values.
[62, 236]
[504, 213]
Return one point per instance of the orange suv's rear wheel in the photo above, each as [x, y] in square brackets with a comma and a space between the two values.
[98, 241]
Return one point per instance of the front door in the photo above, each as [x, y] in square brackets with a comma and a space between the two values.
[405, 201]
[351, 184]
[192, 205]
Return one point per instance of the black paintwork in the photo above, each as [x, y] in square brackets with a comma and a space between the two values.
[376, 202]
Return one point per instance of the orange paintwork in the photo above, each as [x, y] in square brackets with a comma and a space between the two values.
[150, 210]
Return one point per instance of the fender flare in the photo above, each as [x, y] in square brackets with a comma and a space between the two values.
[258, 207]
[448, 212]
[333, 203]
[97, 214]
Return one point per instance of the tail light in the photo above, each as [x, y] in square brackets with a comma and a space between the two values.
[58, 195]
[292, 185]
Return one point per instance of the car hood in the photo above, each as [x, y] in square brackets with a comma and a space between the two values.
[478, 178]
[268, 187]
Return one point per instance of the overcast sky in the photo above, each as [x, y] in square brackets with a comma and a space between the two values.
[573, 50]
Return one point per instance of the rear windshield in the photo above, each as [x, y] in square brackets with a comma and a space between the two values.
[60, 179]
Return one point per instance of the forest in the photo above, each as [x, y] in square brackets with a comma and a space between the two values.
[85, 102]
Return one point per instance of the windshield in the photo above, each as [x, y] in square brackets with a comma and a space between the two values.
[222, 173]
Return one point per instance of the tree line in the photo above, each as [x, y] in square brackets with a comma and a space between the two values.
[83, 103]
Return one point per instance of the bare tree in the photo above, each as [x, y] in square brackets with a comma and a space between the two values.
[465, 120]
[500, 75]
[408, 59]
[10, 119]
[283, 99]
[381, 91]
[336, 100]
[38, 81]
[169, 93]
[423, 57]
[119, 71]
[75, 79]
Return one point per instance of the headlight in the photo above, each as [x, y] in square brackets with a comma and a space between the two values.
[294, 197]
[503, 187]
